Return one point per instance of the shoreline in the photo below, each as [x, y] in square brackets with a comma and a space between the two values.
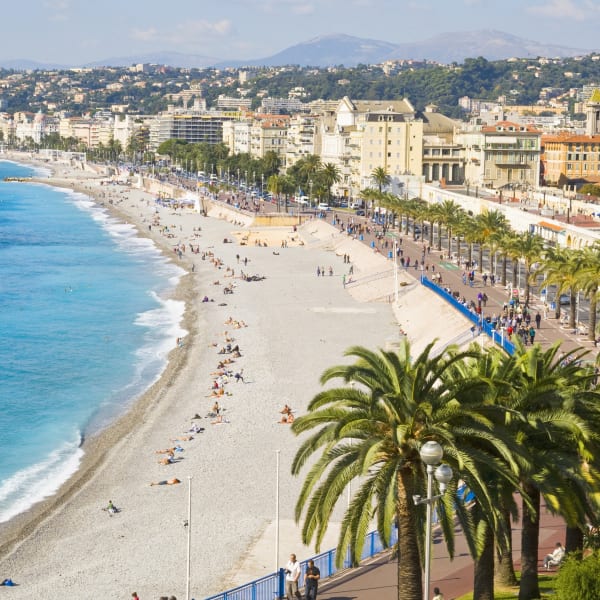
[96, 445]
[297, 326]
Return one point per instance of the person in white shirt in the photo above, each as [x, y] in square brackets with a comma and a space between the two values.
[292, 574]
[437, 595]
[554, 559]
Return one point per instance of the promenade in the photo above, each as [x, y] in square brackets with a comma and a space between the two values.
[550, 330]
[377, 579]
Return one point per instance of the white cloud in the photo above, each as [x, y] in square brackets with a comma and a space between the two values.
[185, 33]
[303, 9]
[56, 4]
[57, 9]
[559, 9]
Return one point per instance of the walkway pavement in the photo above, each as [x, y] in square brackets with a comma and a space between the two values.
[550, 330]
[377, 579]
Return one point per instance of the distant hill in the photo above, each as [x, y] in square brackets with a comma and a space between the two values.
[21, 64]
[445, 48]
[325, 51]
[171, 59]
[340, 49]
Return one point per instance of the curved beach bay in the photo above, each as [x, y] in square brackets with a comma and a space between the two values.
[298, 324]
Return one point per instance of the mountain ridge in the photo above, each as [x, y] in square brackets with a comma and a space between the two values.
[339, 49]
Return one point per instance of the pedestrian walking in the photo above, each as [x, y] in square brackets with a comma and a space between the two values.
[437, 595]
[538, 319]
[292, 574]
[311, 580]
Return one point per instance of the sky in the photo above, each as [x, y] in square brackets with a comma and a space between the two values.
[75, 32]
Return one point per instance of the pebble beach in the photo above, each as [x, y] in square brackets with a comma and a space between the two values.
[289, 325]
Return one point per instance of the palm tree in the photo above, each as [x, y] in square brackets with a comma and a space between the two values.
[588, 277]
[493, 532]
[564, 268]
[492, 224]
[276, 184]
[381, 178]
[530, 248]
[374, 431]
[447, 212]
[546, 390]
[331, 175]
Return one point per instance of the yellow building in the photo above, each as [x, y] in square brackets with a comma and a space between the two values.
[569, 159]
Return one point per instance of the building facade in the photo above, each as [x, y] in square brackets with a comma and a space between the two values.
[502, 155]
[571, 160]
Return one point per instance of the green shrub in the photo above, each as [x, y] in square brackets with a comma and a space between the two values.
[578, 579]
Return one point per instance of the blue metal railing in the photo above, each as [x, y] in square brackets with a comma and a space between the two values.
[488, 328]
[272, 586]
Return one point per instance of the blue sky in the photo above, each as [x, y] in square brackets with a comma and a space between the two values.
[77, 31]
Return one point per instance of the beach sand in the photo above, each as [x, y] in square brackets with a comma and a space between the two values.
[297, 325]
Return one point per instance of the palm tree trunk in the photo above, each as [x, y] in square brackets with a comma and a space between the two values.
[504, 266]
[529, 587]
[449, 242]
[483, 584]
[573, 539]
[409, 561]
[504, 571]
[593, 308]
[439, 232]
[572, 311]
[481, 258]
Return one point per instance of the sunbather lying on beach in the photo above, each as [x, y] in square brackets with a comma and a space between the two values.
[184, 438]
[219, 420]
[166, 461]
[111, 509]
[173, 481]
[165, 451]
[287, 419]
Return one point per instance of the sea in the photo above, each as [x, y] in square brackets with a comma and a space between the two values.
[86, 324]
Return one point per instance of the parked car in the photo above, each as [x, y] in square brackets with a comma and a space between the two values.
[564, 299]
[360, 212]
[323, 206]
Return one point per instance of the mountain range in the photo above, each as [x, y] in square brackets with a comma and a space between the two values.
[349, 51]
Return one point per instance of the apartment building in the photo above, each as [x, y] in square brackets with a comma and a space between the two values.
[503, 154]
[191, 125]
[269, 134]
[569, 159]
[442, 156]
[301, 139]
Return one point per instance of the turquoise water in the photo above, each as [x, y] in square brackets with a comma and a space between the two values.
[84, 329]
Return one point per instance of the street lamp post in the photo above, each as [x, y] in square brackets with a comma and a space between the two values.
[431, 454]
[188, 524]
[277, 454]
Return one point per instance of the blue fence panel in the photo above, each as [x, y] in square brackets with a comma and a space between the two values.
[272, 586]
[476, 319]
[266, 588]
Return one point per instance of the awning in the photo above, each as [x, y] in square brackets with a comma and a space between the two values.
[551, 226]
